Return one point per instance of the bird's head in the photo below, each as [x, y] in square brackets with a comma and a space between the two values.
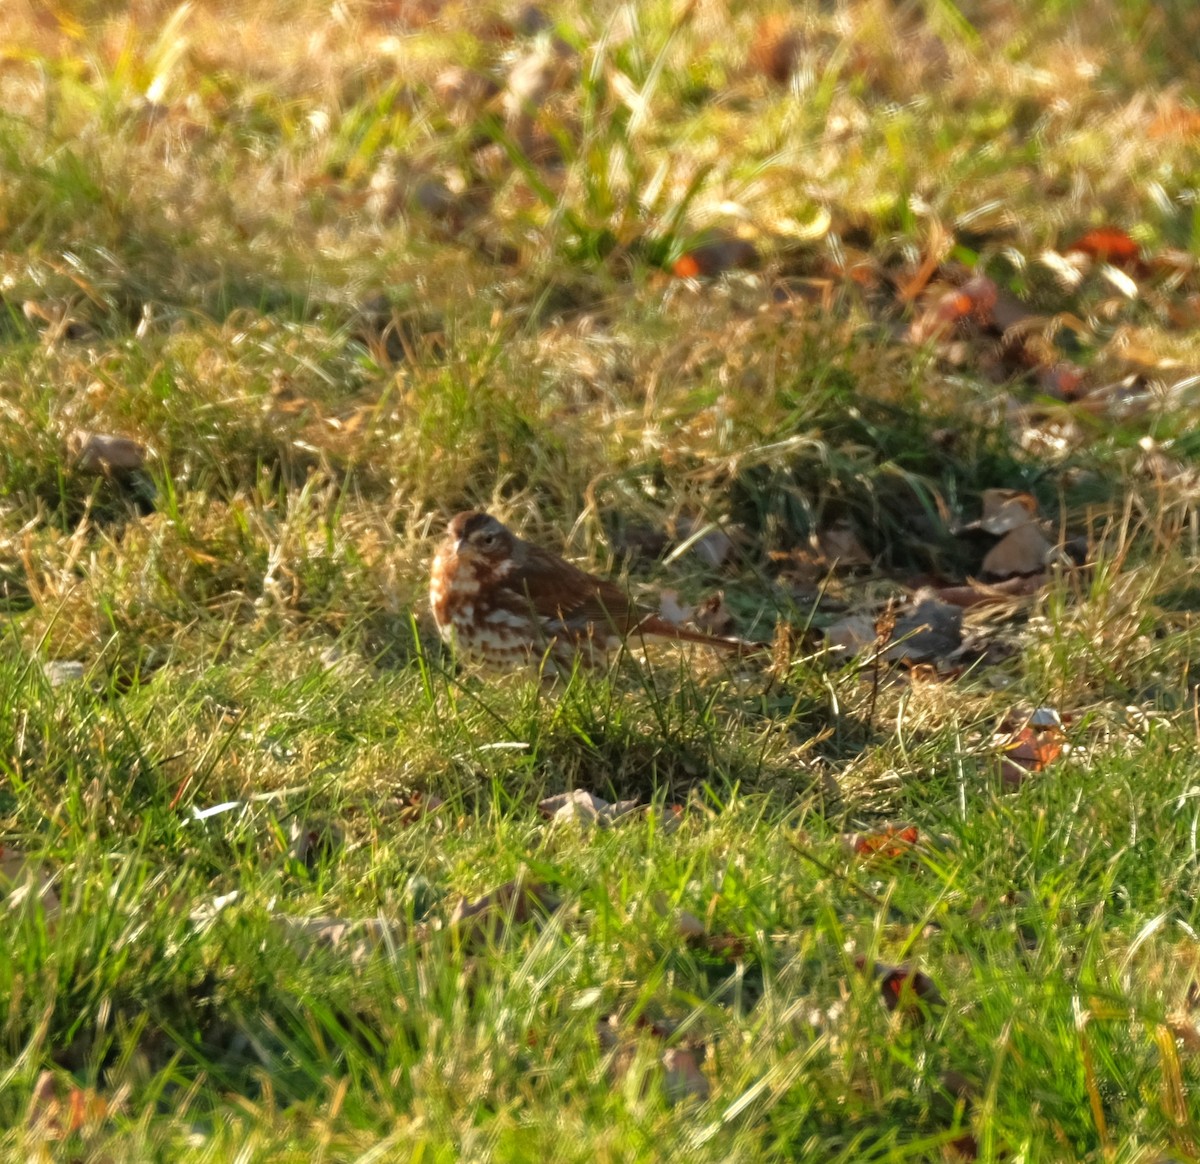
[477, 536]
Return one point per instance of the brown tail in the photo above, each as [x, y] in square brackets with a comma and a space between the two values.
[653, 625]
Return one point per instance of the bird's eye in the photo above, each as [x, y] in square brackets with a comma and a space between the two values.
[488, 540]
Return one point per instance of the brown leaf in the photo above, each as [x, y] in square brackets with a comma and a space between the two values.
[695, 933]
[416, 806]
[1007, 509]
[1174, 120]
[964, 1147]
[1063, 380]
[102, 453]
[515, 901]
[689, 925]
[1023, 550]
[715, 258]
[1030, 750]
[904, 988]
[840, 546]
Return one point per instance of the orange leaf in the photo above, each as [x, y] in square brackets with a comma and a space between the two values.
[904, 988]
[892, 841]
[1034, 750]
[1107, 242]
[1029, 751]
[715, 257]
[775, 49]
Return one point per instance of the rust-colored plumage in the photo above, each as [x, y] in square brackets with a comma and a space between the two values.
[506, 602]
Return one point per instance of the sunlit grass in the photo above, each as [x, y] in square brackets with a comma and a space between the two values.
[342, 271]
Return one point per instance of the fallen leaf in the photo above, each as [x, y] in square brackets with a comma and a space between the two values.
[515, 902]
[670, 819]
[682, 1077]
[840, 546]
[1031, 750]
[1174, 120]
[905, 989]
[1107, 243]
[695, 932]
[689, 925]
[416, 806]
[584, 808]
[1007, 509]
[715, 257]
[893, 841]
[1063, 380]
[102, 453]
[1023, 550]
[975, 300]
[53, 1117]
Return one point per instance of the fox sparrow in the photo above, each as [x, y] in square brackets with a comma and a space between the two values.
[504, 601]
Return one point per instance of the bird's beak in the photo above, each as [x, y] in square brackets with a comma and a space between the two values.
[460, 545]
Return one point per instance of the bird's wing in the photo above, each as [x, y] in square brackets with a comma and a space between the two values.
[558, 591]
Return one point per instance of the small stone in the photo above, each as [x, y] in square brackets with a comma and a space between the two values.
[63, 671]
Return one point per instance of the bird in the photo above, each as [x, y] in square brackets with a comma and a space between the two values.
[507, 603]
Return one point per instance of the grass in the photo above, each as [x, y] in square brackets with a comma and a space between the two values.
[344, 271]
